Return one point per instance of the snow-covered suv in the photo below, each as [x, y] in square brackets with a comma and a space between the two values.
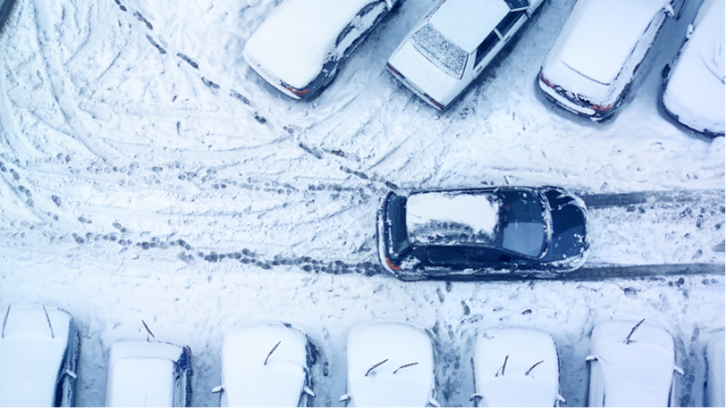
[453, 44]
[301, 46]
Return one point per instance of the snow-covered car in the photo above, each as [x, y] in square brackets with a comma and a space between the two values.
[149, 374]
[715, 395]
[482, 233]
[693, 92]
[516, 367]
[390, 364]
[266, 364]
[302, 45]
[39, 351]
[595, 58]
[632, 364]
[453, 44]
[6, 6]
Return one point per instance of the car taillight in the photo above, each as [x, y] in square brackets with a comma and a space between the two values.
[436, 104]
[546, 81]
[391, 265]
[393, 70]
[296, 91]
[600, 108]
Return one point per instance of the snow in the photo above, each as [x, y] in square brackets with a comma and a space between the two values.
[299, 36]
[248, 381]
[635, 374]
[427, 211]
[695, 90]
[600, 36]
[515, 387]
[468, 22]
[715, 395]
[30, 355]
[440, 51]
[141, 374]
[389, 384]
[130, 189]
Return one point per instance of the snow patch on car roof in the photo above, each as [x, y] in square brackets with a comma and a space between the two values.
[600, 35]
[248, 381]
[467, 22]
[295, 41]
[478, 212]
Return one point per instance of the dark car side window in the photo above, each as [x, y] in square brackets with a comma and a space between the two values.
[447, 256]
[509, 22]
[488, 255]
[517, 4]
[343, 34]
[486, 46]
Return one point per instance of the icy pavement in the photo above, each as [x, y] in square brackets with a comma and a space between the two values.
[146, 172]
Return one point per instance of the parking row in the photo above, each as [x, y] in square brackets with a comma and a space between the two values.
[389, 363]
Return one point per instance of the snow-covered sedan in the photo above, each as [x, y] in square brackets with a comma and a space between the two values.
[482, 232]
[715, 395]
[266, 364]
[516, 367]
[149, 374]
[39, 351]
[453, 44]
[694, 83]
[390, 364]
[632, 364]
[302, 45]
[595, 58]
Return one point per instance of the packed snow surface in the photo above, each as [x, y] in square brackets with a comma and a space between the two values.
[31, 353]
[299, 36]
[405, 379]
[249, 381]
[602, 34]
[468, 22]
[695, 91]
[425, 211]
[637, 368]
[529, 377]
[141, 374]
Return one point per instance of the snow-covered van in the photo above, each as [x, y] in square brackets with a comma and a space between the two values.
[595, 58]
[453, 44]
[302, 45]
[693, 91]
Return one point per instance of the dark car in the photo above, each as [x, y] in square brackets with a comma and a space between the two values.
[482, 232]
[6, 6]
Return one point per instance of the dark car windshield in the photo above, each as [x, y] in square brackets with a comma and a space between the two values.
[522, 225]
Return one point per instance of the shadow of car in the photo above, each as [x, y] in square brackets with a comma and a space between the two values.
[302, 45]
[453, 44]
[39, 351]
[481, 233]
[149, 374]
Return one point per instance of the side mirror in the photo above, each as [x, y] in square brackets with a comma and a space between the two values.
[679, 370]
[433, 402]
[669, 10]
[218, 389]
[690, 30]
[561, 399]
[591, 358]
[343, 398]
[476, 396]
[308, 391]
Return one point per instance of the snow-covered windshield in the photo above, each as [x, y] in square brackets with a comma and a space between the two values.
[440, 51]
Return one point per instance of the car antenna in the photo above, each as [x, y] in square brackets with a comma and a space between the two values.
[503, 367]
[531, 369]
[628, 338]
[52, 335]
[5, 322]
[148, 330]
[406, 365]
[271, 352]
[375, 366]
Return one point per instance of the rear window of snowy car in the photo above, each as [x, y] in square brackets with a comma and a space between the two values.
[439, 50]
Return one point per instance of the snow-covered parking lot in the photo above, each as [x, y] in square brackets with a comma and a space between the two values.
[147, 173]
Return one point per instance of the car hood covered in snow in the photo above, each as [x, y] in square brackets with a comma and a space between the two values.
[295, 41]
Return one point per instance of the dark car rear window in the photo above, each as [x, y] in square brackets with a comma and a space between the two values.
[397, 217]
[523, 228]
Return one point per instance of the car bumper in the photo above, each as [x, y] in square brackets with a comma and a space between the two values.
[421, 94]
[272, 80]
[568, 104]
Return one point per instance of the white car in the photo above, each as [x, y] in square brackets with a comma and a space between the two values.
[694, 83]
[39, 351]
[715, 396]
[595, 58]
[453, 44]
[149, 374]
[633, 364]
[390, 364]
[301, 46]
[516, 367]
[266, 364]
